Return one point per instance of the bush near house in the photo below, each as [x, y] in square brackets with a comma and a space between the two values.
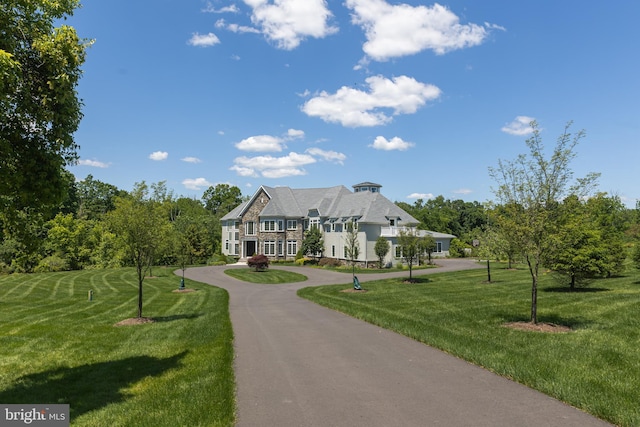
[258, 262]
[329, 262]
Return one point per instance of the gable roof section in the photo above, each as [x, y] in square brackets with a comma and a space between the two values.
[372, 208]
[332, 202]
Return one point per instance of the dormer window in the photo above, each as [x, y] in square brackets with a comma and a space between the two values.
[392, 222]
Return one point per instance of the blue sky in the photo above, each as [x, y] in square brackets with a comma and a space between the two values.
[419, 97]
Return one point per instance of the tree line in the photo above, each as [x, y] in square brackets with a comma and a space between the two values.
[96, 222]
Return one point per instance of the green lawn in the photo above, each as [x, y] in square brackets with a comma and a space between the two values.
[58, 347]
[270, 276]
[596, 367]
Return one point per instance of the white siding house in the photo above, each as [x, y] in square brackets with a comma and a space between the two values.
[272, 222]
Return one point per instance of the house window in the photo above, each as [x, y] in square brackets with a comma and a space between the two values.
[226, 244]
[236, 225]
[338, 228]
[438, 246]
[398, 250]
[392, 222]
[250, 228]
[327, 228]
[374, 189]
[236, 249]
[270, 247]
[280, 247]
[333, 251]
[314, 222]
[269, 225]
[292, 224]
[292, 247]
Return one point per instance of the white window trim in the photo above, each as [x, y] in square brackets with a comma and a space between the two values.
[248, 232]
[269, 247]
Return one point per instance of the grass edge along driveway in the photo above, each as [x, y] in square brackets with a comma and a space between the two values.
[56, 346]
[594, 368]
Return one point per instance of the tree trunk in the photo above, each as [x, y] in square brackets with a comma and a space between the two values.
[533, 269]
[534, 300]
[488, 271]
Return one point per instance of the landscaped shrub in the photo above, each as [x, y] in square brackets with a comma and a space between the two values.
[306, 261]
[258, 262]
[329, 262]
[51, 264]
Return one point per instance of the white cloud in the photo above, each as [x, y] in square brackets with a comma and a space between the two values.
[191, 160]
[401, 29]
[272, 167]
[196, 184]
[395, 143]
[329, 156]
[463, 191]
[352, 107]
[288, 22]
[520, 126]
[203, 40]
[159, 155]
[93, 163]
[420, 196]
[210, 8]
[261, 143]
[235, 28]
[295, 133]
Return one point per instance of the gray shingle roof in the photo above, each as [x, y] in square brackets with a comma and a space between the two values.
[332, 202]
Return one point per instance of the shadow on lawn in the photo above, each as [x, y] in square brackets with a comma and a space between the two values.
[580, 290]
[88, 387]
[176, 317]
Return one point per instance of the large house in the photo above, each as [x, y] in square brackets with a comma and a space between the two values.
[273, 221]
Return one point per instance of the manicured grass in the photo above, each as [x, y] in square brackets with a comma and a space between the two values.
[58, 347]
[270, 276]
[596, 367]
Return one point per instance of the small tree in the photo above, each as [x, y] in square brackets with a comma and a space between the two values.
[312, 243]
[530, 188]
[258, 262]
[140, 225]
[381, 249]
[411, 246]
[429, 246]
[352, 247]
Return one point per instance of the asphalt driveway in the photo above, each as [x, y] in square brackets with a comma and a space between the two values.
[299, 364]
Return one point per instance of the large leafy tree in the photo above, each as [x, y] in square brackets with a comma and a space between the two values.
[588, 242]
[531, 188]
[39, 106]
[221, 199]
[95, 198]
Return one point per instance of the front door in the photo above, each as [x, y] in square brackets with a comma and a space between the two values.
[250, 248]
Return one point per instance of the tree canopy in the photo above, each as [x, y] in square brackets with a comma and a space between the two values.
[39, 105]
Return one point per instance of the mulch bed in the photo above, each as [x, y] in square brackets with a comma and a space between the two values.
[538, 327]
[135, 321]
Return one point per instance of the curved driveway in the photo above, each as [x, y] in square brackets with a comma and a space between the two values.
[300, 364]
